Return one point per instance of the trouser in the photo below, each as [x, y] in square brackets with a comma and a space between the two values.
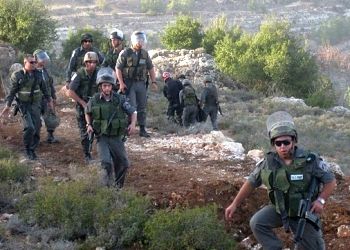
[112, 153]
[175, 108]
[137, 94]
[84, 137]
[189, 115]
[31, 124]
[266, 219]
[212, 111]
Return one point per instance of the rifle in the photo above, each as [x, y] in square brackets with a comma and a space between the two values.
[305, 215]
[91, 140]
[17, 107]
[219, 109]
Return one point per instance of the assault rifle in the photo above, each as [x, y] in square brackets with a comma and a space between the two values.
[91, 140]
[305, 215]
[17, 107]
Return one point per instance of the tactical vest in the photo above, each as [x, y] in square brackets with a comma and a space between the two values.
[108, 117]
[189, 96]
[111, 59]
[135, 69]
[292, 181]
[29, 87]
[87, 87]
[212, 96]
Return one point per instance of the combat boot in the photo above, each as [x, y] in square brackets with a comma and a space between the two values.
[88, 158]
[143, 132]
[51, 138]
[30, 154]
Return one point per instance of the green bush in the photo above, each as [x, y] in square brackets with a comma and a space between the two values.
[26, 24]
[11, 170]
[153, 6]
[271, 61]
[347, 96]
[215, 32]
[196, 228]
[333, 31]
[180, 6]
[185, 33]
[5, 153]
[84, 209]
[100, 41]
[323, 95]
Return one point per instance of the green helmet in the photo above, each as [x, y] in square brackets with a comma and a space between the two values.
[41, 55]
[105, 75]
[279, 124]
[86, 37]
[51, 120]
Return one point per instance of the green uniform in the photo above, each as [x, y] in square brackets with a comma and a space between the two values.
[189, 101]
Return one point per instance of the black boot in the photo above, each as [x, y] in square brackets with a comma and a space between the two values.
[30, 154]
[143, 132]
[51, 138]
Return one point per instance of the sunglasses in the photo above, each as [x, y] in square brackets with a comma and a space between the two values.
[87, 41]
[31, 62]
[285, 143]
[91, 62]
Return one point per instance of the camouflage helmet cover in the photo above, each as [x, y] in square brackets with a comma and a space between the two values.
[105, 75]
[186, 82]
[86, 36]
[52, 121]
[279, 124]
[90, 56]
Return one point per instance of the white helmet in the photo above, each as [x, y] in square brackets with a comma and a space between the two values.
[138, 37]
[117, 34]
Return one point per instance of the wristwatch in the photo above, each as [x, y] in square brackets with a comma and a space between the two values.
[321, 200]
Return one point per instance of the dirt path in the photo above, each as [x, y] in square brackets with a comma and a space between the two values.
[172, 176]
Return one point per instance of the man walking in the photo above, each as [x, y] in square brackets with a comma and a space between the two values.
[189, 101]
[209, 101]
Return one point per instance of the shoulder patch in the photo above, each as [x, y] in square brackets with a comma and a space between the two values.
[73, 54]
[74, 76]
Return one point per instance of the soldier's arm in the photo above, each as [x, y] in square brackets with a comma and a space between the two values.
[53, 90]
[15, 82]
[73, 86]
[71, 65]
[100, 57]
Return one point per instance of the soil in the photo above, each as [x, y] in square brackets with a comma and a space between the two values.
[173, 177]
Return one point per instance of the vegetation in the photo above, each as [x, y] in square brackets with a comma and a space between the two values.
[180, 6]
[333, 31]
[185, 33]
[196, 228]
[99, 41]
[26, 24]
[153, 6]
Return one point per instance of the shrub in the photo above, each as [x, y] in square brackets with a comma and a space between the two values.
[333, 31]
[196, 228]
[83, 209]
[153, 6]
[323, 95]
[26, 24]
[214, 33]
[180, 6]
[185, 33]
[11, 170]
[73, 41]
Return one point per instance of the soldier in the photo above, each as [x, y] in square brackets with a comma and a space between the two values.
[82, 87]
[27, 87]
[131, 68]
[106, 115]
[287, 173]
[76, 60]
[189, 102]
[111, 57]
[171, 91]
[50, 118]
[209, 101]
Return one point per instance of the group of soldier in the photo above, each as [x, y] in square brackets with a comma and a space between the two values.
[110, 113]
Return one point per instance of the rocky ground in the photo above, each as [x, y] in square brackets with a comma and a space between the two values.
[175, 170]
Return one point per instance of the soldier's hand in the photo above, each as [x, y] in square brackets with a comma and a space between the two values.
[317, 207]
[131, 128]
[122, 87]
[229, 211]
[50, 105]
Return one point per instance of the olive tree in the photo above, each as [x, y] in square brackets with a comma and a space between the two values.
[185, 33]
[26, 24]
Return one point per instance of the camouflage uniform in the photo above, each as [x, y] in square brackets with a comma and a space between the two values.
[189, 101]
[28, 89]
[209, 100]
[110, 59]
[85, 87]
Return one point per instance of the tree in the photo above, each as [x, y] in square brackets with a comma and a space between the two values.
[185, 33]
[26, 24]
[99, 41]
[271, 61]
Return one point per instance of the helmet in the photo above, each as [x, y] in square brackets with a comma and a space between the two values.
[138, 36]
[41, 55]
[15, 67]
[208, 79]
[51, 120]
[181, 77]
[166, 75]
[118, 34]
[279, 124]
[90, 56]
[186, 82]
[86, 36]
[105, 75]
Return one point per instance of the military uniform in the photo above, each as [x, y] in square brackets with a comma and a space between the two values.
[110, 122]
[110, 59]
[171, 91]
[28, 88]
[189, 101]
[293, 181]
[77, 60]
[134, 66]
[209, 100]
[85, 87]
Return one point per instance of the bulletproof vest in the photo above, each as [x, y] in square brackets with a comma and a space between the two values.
[211, 98]
[28, 86]
[111, 59]
[87, 87]
[47, 79]
[293, 181]
[108, 117]
[135, 69]
[189, 96]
